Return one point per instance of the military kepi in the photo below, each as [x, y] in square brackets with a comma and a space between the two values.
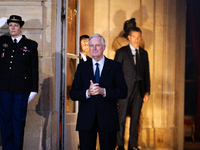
[17, 19]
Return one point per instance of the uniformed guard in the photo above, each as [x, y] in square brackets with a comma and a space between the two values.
[18, 82]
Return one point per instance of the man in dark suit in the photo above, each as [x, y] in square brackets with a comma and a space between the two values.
[135, 65]
[84, 48]
[97, 85]
[18, 82]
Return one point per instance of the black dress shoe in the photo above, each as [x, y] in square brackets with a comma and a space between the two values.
[120, 148]
[134, 148]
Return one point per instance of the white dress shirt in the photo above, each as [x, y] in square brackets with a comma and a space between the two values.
[83, 56]
[101, 64]
[18, 39]
[133, 50]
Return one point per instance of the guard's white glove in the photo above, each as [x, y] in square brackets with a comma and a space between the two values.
[3, 20]
[31, 96]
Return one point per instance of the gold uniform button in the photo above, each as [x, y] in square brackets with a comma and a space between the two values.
[3, 49]
[13, 50]
[25, 77]
[9, 67]
[11, 56]
[23, 54]
[10, 62]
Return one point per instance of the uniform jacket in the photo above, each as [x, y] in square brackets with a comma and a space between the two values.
[18, 65]
[104, 108]
[125, 57]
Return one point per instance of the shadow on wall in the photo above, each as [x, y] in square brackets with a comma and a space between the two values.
[118, 30]
[42, 109]
[118, 20]
[147, 34]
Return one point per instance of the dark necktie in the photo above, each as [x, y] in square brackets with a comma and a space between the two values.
[15, 41]
[138, 75]
[97, 73]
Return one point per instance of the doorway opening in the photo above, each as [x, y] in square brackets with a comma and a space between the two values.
[192, 70]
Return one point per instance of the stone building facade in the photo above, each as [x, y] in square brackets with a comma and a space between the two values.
[163, 25]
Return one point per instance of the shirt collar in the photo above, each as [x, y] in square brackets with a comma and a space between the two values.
[101, 62]
[133, 49]
[18, 38]
[83, 56]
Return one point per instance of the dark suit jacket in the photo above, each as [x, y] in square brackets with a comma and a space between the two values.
[81, 59]
[18, 65]
[72, 65]
[104, 108]
[125, 57]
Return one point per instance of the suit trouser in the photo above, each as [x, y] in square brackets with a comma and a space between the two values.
[88, 138]
[134, 104]
[13, 109]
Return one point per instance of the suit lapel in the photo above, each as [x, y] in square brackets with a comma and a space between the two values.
[105, 71]
[130, 55]
[90, 70]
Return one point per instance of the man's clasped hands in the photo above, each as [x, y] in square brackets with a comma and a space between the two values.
[94, 89]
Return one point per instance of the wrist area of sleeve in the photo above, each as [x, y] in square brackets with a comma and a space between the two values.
[104, 92]
[87, 96]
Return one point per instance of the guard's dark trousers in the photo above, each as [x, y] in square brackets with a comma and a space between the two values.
[13, 109]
